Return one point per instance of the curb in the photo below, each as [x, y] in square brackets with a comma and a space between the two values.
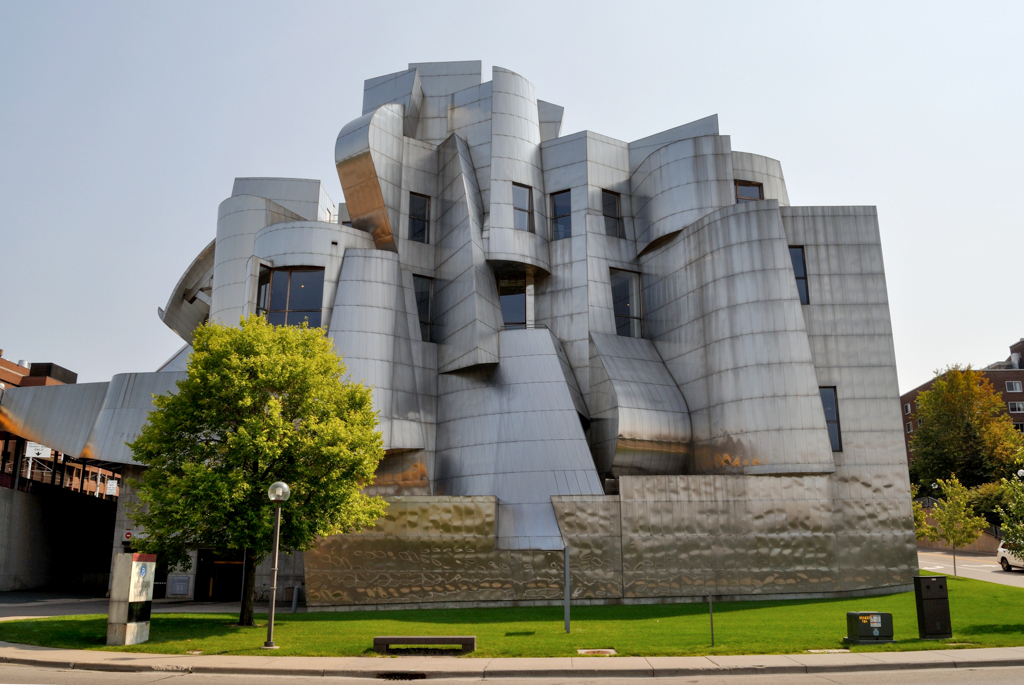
[486, 673]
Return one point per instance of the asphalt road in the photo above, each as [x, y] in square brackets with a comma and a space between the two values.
[973, 566]
[951, 676]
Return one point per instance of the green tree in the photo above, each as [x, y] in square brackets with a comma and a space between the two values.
[962, 429]
[1012, 512]
[986, 500]
[261, 403]
[957, 524]
[922, 529]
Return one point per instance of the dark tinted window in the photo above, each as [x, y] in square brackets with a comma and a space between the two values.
[522, 203]
[512, 293]
[419, 218]
[830, 403]
[748, 191]
[424, 289]
[610, 207]
[561, 215]
[296, 295]
[626, 302]
[796, 254]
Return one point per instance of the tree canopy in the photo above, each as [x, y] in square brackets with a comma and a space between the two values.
[957, 524]
[261, 403]
[962, 429]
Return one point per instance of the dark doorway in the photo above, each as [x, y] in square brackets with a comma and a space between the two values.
[218, 576]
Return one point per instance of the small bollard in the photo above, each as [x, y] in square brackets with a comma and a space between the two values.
[295, 599]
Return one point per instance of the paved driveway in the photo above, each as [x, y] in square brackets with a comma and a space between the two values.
[979, 567]
[32, 604]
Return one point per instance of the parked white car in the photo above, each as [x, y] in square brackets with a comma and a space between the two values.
[1007, 559]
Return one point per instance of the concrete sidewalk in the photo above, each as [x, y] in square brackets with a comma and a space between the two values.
[566, 667]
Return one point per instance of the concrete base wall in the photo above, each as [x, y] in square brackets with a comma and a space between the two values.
[24, 554]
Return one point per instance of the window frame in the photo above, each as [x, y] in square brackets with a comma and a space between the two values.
[805, 294]
[1014, 386]
[906, 409]
[1015, 407]
[620, 229]
[529, 210]
[910, 427]
[638, 316]
[426, 228]
[837, 446]
[266, 311]
[513, 274]
[426, 327]
[555, 217]
[738, 183]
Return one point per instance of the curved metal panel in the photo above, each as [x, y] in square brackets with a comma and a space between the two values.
[640, 424]
[764, 170]
[513, 432]
[59, 416]
[721, 306]
[368, 156]
[189, 304]
[678, 184]
[125, 411]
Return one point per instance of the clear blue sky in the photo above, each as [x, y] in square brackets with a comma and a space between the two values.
[122, 126]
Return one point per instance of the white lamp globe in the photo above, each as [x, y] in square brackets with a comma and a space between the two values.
[279, 492]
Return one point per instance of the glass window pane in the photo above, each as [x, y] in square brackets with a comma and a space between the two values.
[263, 293]
[833, 436]
[296, 318]
[610, 204]
[522, 220]
[307, 291]
[279, 290]
[611, 227]
[422, 287]
[561, 203]
[748, 192]
[418, 230]
[621, 292]
[419, 206]
[828, 402]
[796, 254]
[512, 293]
[276, 318]
[561, 228]
[801, 288]
[520, 197]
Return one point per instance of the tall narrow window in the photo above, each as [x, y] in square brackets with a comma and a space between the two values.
[796, 254]
[611, 207]
[522, 207]
[830, 402]
[561, 215]
[419, 218]
[295, 294]
[626, 302]
[748, 191]
[512, 294]
[424, 289]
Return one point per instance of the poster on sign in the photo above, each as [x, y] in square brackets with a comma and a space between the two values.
[111, 487]
[34, 450]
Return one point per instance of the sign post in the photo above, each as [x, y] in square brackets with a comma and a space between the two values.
[131, 599]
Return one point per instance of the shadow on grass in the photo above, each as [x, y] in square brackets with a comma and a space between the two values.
[992, 629]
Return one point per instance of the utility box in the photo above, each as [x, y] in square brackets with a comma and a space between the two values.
[868, 627]
[131, 599]
[932, 596]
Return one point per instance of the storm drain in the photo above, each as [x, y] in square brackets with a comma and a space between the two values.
[402, 675]
[597, 652]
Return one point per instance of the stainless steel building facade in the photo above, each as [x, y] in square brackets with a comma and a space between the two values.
[638, 349]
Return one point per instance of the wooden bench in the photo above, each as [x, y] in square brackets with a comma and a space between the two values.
[467, 642]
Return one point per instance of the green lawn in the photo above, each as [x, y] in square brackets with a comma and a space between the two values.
[984, 615]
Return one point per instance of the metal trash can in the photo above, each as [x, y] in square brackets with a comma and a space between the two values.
[932, 596]
[868, 627]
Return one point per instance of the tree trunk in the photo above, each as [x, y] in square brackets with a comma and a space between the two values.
[245, 614]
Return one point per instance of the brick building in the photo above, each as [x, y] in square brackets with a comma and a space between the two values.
[1007, 377]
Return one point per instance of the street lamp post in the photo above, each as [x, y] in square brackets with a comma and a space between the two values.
[278, 492]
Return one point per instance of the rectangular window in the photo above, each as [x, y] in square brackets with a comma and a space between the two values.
[561, 215]
[1016, 407]
[910, 427]
[920, 422]
[796, 255]
[522, 207]
[611, 207]
[1019, 426]
[423, 287]
[512, 294]
[626, 302]
[419, 218]
[1013, 386]
[906, 408]
[748, 191]
[290, 295]
[830, 403]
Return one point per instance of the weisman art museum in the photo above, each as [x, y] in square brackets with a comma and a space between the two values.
[637, 350]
